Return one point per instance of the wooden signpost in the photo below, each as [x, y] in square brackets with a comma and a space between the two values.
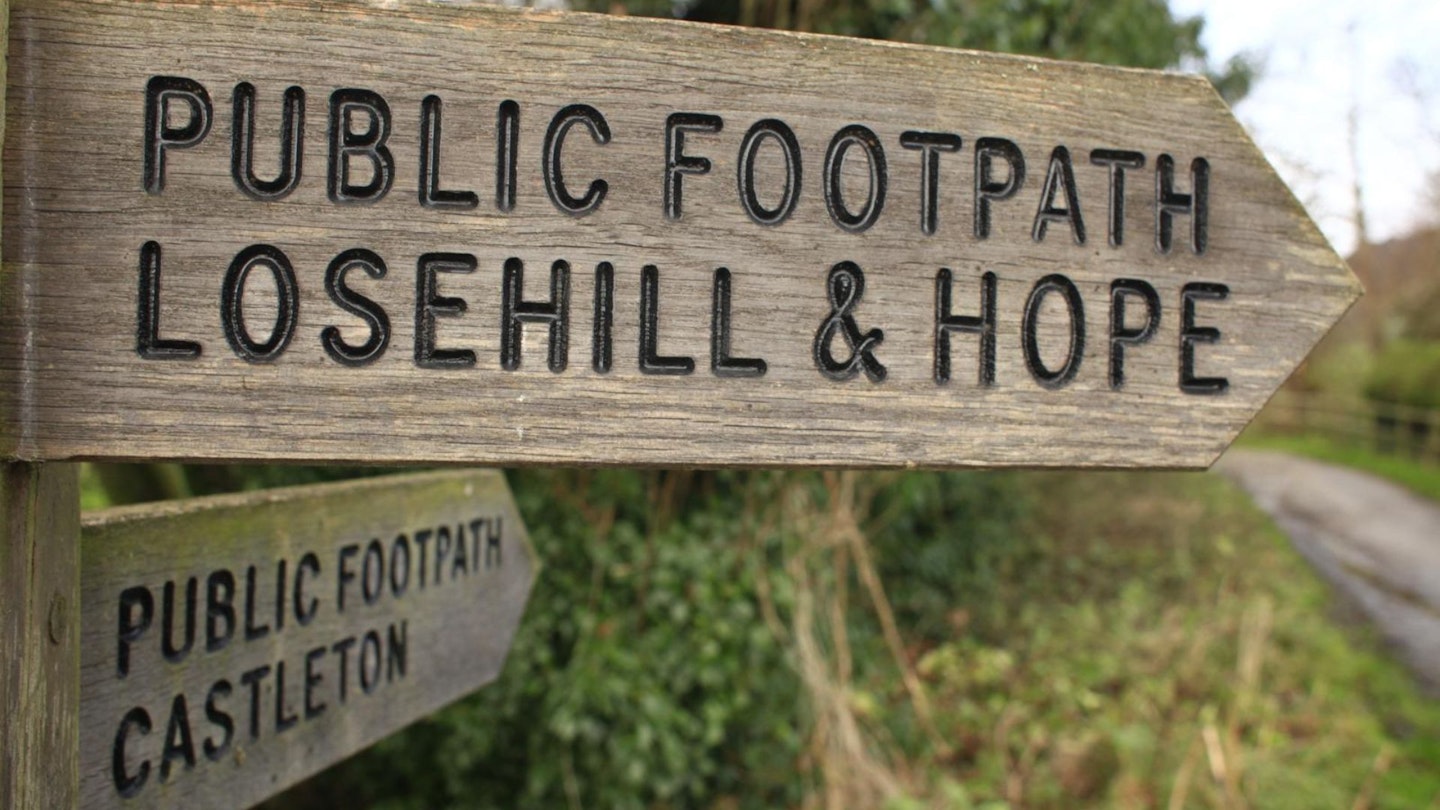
[409, 232]
[232, 646]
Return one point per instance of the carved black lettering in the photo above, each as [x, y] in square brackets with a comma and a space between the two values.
[346, 576]
[863, 137]
[429, 304]
[475, 526]
[283, 721]
[1122, 335]
[461, 564]
[292, 144]
[342, 649]
[132, 625]
[677, 163]
[160, 136]
[400, 565]
[281, 567]
[148, 343]
[372, 572]
[179, 742]
[651, 362]
[219, 609]
[931, 145]
[989, 190]
[431, 195]
[128, 785]
[253, 678]
[348, 145]
[253, 630]
[422, 539]
[396, 650]
[845, 287]
[515, 311]
[442, 550]
[602, 342]
[305, 610]
[948, 323]
[313, 708]
[1170, 204]
[492, 543]
[721, 363]
[763, 130]
[287, 304]
[370, 662]
[1190, 334]
[560, 125]
[507, 151]
[221, 719]
[1059, 178]
[176, 652]
[1029, 331]
[1118, 160]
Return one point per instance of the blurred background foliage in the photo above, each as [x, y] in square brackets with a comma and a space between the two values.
[1133, 33]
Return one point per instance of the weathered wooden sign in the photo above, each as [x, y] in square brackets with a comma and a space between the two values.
[232, 646]
[420, 232]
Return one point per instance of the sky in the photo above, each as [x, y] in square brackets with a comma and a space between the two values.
[1321, 59]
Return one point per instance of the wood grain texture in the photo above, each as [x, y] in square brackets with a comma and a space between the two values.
[39, 617]
[77, 215]
[436, 638]
[39, 636]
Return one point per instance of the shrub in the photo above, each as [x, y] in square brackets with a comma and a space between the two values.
[641, 675]
[1407, 372]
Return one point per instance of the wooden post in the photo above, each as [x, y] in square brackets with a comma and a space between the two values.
[39, 616]
[39, 636]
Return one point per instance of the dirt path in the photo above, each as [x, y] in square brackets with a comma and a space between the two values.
[1377, 542]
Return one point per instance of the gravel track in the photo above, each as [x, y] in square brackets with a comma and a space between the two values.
[1378, 543]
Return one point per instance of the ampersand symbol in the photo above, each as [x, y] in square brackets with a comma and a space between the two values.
[845, 287]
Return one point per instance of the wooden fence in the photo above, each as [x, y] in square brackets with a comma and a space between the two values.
[1384, 427]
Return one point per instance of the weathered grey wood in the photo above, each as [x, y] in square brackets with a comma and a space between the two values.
[456, 626]
[39, 636]
[39, 617]
[78, 215]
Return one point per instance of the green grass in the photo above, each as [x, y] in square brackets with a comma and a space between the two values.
[1153, 641]
[1417, 476]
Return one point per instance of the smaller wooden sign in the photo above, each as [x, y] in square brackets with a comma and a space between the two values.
[232, 646]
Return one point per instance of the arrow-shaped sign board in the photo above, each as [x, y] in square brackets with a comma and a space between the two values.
[232, 646]
[410, 231]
